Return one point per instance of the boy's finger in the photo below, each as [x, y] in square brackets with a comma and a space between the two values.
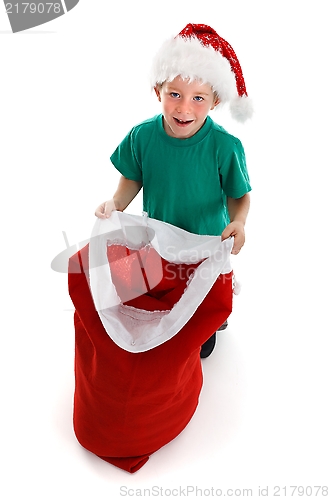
[99, 213]
[225, 235]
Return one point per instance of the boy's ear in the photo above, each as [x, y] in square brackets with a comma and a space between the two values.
[215, 102]
[157, 91]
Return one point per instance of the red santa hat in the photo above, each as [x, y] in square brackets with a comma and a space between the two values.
[199, 53]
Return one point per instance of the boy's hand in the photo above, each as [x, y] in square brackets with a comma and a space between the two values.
[104, 210]
[235, 229]
[126, 192]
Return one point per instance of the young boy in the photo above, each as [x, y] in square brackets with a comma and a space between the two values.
[193, 172]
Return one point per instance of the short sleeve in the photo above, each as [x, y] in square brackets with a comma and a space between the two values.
[234, 176]
[125, 160]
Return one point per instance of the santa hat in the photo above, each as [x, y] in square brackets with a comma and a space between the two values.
[199, 53]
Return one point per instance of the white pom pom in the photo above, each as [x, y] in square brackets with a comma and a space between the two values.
[241, 108]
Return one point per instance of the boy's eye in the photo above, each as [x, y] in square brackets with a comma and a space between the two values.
[198, 98]
[174, 94]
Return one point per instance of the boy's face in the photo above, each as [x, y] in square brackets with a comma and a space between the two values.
[185, 106]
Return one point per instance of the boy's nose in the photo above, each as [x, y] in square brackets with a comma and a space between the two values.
[184, 107]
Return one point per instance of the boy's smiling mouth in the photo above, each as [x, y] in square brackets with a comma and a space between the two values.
[182, 122]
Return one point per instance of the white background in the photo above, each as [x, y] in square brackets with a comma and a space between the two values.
[70, 91]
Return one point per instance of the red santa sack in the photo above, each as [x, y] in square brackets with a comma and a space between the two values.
[147, 295]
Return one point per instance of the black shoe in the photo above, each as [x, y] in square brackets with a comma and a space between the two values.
[208, 346]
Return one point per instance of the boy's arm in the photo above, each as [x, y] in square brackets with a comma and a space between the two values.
[238, 210]
[126, 192]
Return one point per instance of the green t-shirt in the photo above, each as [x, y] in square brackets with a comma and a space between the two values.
[185, 181]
